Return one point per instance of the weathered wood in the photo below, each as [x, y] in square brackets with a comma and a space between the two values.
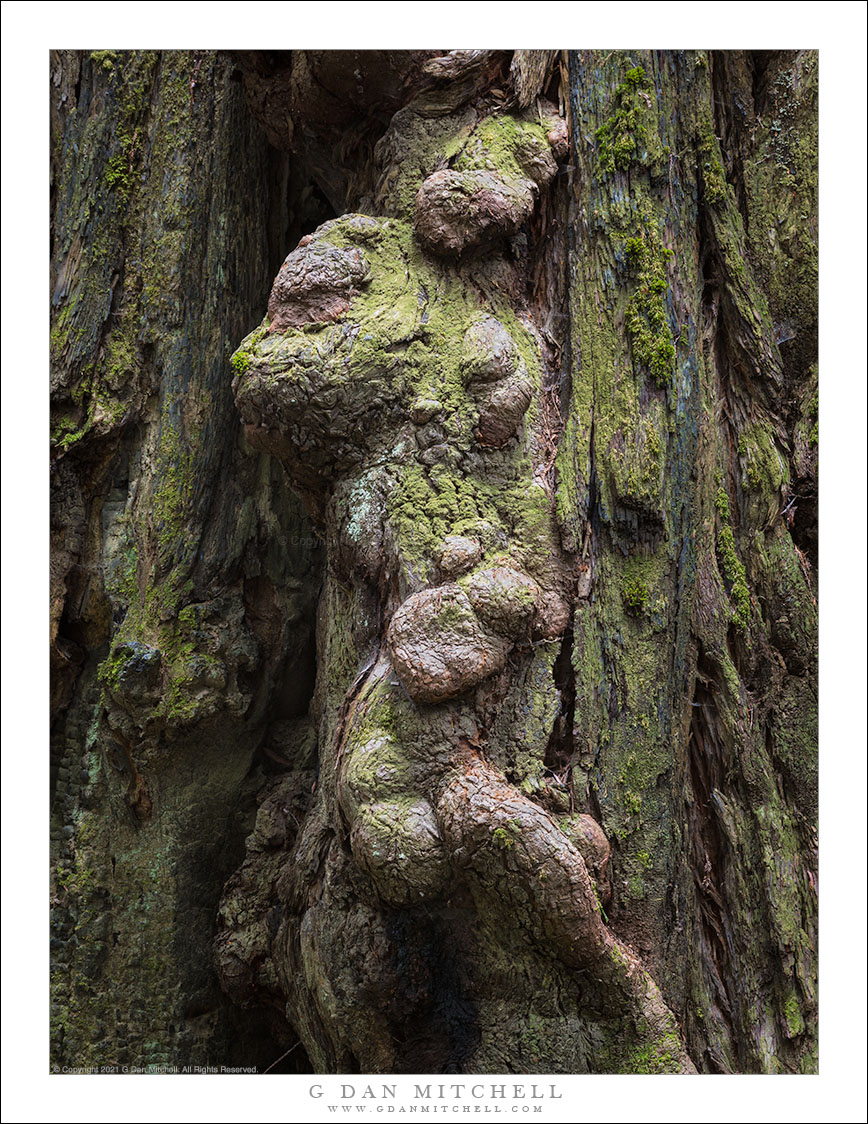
[544, 797]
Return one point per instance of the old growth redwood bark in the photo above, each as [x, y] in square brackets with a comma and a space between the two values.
[170, 548]
[548, 391]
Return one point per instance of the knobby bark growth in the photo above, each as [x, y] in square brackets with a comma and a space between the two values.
[477, 589]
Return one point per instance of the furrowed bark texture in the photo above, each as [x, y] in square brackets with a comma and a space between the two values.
[184, 572]
[477, 589]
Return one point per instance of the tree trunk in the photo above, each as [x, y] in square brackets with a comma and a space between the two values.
[477, 589]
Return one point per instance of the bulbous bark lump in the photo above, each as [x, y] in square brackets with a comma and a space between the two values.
[423, 802]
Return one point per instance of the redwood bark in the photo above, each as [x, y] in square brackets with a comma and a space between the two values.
[477, 588]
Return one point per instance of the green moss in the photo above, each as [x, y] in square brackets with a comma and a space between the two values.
[764, 468]
[61, 330]
[131, 75]
[646, 316]
[414, 317]
[173, 492]
[505, 837]
[635, 594]
[781, 199]
[526, 728]
[243, 357]
[639, 577]
[110, 669]
[122, 578]
[621, 139]
[710, 166]
[731, 565]
[76, 880]
[66, 432]
[659, 1056]
[736, 577]
[97, 363]
[418, 143]
[118, 171]
[793, 1016]
[429, 502]
[427, 506]
[637, 453]
[106, 60]
[503, 144]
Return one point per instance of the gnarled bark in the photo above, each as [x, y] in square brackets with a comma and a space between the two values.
[541, 367]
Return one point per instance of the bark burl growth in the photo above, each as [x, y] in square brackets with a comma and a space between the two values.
[402, 404]
[525, 582]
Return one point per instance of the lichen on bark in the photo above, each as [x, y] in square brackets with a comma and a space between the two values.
[436, 337]
[543, 378]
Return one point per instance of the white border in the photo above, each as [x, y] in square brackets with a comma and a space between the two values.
[838, 30]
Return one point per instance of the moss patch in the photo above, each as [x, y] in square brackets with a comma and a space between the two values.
[621, 138]
[646, 316]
